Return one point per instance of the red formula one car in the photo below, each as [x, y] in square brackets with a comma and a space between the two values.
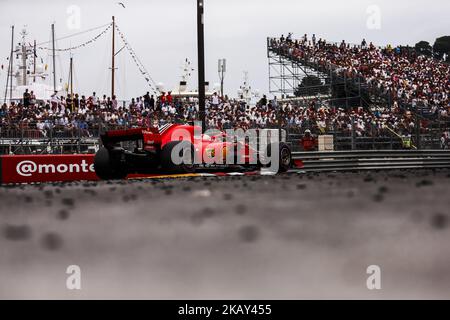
[142, 151]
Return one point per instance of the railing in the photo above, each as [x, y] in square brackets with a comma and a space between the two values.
[373, 160]
[31, 131]
[56, 140]
[64, 140]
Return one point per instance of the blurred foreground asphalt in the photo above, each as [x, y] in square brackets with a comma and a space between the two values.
[295, 236]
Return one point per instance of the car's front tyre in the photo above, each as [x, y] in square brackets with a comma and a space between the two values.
[285, 161]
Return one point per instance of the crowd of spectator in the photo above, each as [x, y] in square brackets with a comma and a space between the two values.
[81, 115]
[410, 79]
[407, 77]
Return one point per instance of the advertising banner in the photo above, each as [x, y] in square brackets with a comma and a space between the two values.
[46, 168]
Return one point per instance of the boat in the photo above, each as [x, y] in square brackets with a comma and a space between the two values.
[28, 72]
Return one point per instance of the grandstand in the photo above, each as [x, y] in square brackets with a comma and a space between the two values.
[383, 81]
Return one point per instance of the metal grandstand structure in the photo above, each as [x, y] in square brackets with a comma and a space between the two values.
[291, 79]
[286, 75]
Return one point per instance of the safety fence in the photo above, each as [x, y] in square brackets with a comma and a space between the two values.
[88, 144]
[373, 160]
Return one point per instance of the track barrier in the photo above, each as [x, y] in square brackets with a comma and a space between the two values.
[373, 160]
[46, 168]
[67, 168]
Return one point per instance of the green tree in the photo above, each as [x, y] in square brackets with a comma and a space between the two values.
[423, 47]
[310, 86]
[442, 46]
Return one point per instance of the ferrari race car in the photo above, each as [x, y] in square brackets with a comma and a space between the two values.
[178, 149]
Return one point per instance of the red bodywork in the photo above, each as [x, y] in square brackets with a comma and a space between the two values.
[206, 147]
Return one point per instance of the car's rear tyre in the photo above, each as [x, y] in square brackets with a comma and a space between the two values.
[285, 156]
[107, 165]
[182, 150]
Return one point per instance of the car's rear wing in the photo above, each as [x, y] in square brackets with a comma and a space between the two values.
[112, 138]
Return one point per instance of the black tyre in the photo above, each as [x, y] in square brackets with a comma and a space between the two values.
[285, 156]
[107, 165]
[184, 149]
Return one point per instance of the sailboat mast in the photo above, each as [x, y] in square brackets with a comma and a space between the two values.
[71, 77]
[54, 57]
[34, 61]
[7, 82]
[24, 60]
[10, 68]
[113, 64]
[71, 84]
